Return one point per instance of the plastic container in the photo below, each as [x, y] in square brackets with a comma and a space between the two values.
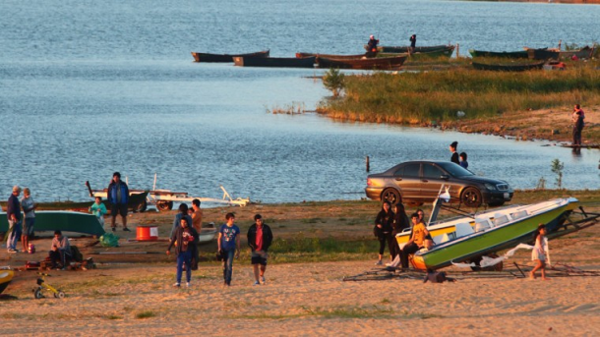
[146, 233]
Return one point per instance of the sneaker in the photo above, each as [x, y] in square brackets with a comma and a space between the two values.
[12, 251]
[262, 280]
[177, 285]
[187, 284]
[114, 229]
[378, 263]
[256, 283]
[126, 229]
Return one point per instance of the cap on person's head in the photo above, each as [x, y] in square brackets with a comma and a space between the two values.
[57, 232]
[117, 174]
[16, 189]
[229, 216]
[454, 144]
[257, 216]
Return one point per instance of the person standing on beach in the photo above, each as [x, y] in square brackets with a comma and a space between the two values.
[182, 214]
[383, 229]
[454, 157]
[183, 239]
[577, 119]
[13, 214]
[417, 237]
[197, 215]
[463, 160]
[29, 207]
[539, 252]
[400, 223]
[229, 246]
[118, 197]
[413, 43]
[259, 240]
[98, 209]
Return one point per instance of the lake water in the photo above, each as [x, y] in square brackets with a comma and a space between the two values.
[88, 88]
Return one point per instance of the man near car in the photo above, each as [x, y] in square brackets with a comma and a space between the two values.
[118, 197]
[259, 240]
[417, 238]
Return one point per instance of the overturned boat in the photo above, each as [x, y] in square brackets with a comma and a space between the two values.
[66, 221]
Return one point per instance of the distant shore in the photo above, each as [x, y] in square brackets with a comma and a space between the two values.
[582, 2]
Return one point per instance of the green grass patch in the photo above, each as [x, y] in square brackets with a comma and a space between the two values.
[436, 96]
[145, 314]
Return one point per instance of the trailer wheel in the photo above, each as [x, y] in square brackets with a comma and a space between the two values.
[163, 205]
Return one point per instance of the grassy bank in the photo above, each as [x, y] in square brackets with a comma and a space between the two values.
[435, 97]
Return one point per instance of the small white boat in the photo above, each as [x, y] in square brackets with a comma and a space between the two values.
[208, 233]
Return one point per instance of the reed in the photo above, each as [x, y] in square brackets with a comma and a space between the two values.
[436, 96]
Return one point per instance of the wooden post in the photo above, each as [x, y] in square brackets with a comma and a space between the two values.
[368, 165]
[457, 50]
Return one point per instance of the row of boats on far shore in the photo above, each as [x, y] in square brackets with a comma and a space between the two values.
[394, 57]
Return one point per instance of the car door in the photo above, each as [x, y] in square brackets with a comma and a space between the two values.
[408, 180]
[431, 181]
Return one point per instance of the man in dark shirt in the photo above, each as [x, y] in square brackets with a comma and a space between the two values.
[13, 214]
[454, 157]
[413, 43]
[577, 118]
[372, 46]
[118, 197]
[259, 240]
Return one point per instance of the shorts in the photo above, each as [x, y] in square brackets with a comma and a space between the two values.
[118, 209]
[259, 257]
[28, 228]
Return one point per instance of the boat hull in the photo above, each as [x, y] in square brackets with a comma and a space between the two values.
[493, 239]
[275, 62]
[224, 58]
[521, 54]
[332, 56]
[508, 67]
[61, 220]
[405, 49]
[6, 277]
[380, 63]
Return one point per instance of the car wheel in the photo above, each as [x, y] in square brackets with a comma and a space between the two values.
[391, 195]
[471, 197]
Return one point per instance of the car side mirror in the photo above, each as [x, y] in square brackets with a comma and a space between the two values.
[445, 176]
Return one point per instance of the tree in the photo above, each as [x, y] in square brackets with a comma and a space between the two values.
[557, 168]
[333, 80]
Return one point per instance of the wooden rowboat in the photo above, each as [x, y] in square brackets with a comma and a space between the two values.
[380, 63]
[278, 62]
[583, 53]
[508, 66]
[542, 54]
[332, 56]
[521, 54]
[207, 57]
[447, 51]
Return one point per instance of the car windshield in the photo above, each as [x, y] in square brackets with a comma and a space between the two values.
[455, 170]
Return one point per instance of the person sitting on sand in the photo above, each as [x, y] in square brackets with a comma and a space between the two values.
[539, 253]
[399, 224]
[60, 250]
[463, 160]
[417, 237]
[183, 238]
[98, 209]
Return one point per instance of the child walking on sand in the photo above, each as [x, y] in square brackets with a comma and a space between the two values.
[538, 255]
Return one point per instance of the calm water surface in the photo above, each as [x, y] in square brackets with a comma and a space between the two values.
[88, 88]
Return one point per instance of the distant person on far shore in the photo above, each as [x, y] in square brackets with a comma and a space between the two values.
[98, 209]
[13, 214]
[577, 119]
[453, 147]
[29, 207]
[413, 43]
[372, 46]
[259, 240]
[463, 160]
[118, 197]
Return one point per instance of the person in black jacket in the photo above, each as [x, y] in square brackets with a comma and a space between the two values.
[454, 157]
[184, 238]
[259, 240]
[400, 223]
[383, 228]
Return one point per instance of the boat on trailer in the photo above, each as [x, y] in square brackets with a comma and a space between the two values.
[469, 237]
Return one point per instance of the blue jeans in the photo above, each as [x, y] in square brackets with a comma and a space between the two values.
[14, 229]
[228, 266]
[187, 258]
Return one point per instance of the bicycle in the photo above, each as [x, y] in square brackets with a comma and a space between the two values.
[42, 285]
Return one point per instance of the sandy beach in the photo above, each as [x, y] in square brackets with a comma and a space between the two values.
[133, 294]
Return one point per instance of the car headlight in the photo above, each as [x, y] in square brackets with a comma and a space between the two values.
[490, 187]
